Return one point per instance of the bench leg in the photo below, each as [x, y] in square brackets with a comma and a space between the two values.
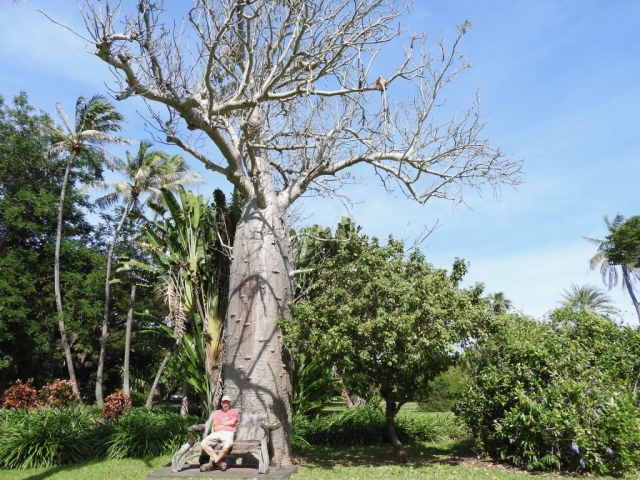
[180, 457]
[263, 455]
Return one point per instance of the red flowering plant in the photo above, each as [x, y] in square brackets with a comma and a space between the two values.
[59, 393]
[21, 395]
[116, 404]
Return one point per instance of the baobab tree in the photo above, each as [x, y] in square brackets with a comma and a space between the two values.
[282, 98]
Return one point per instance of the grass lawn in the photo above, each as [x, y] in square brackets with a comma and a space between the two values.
[446, 460]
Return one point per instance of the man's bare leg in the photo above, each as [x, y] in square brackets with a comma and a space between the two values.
[223, 453]
[206, 448]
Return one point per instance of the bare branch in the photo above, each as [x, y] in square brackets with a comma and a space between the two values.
[294, 94]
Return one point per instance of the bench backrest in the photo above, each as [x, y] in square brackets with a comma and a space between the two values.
[249, 426]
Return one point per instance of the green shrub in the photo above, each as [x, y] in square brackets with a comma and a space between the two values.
[138, 399]
[46, 437]
[145, 433]
[444, 391]
[366, 426]
[556, 395]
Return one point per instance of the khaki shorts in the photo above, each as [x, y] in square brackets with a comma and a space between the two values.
[223, 437]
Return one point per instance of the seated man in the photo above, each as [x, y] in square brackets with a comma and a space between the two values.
[224, 430]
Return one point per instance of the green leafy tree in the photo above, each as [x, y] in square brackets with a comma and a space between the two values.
[389, 323]
[29, 193]
[184, 244]
[95, 121]
[444, 391]
[145, 173]
[614, 260]
[589, 299]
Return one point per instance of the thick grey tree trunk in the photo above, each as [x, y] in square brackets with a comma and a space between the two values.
[255, 373]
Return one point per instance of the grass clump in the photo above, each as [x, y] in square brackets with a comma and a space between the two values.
[46, 437]
[50, 437]
[145, 433]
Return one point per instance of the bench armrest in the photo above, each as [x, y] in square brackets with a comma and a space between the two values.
[270, 426]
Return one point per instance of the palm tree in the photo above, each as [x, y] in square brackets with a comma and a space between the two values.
[95, 120]
[610, 271]
[589, 299]
[145, 173]
[499, 303]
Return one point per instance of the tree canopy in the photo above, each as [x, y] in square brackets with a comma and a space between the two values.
[389, 322]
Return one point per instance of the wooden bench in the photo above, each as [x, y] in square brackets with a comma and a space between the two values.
[253, 436]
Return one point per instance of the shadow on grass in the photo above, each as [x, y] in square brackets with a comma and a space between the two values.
[51, 471]
[443, 453]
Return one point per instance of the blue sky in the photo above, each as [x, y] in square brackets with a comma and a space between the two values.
[558, 82]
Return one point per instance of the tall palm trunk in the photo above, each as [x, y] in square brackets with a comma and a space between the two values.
[56, 275]
[627, 282]
[127, 342]
[156, 380]
[105, 317]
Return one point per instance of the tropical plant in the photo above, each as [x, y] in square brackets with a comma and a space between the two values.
[20, 396]
[313, 385]
[611, 269]
[30, 187]
[58, 393]
[116, 405]
[145, 173]
[95, 121]
[185, 248]
[590, 299]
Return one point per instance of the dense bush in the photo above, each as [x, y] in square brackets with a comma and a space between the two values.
[116, 404]
[444, 391]
[557, 394]
[145, 433]
[138, 399]
[46, 437]
[366, 426]
[21, 395]
[58, 393]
